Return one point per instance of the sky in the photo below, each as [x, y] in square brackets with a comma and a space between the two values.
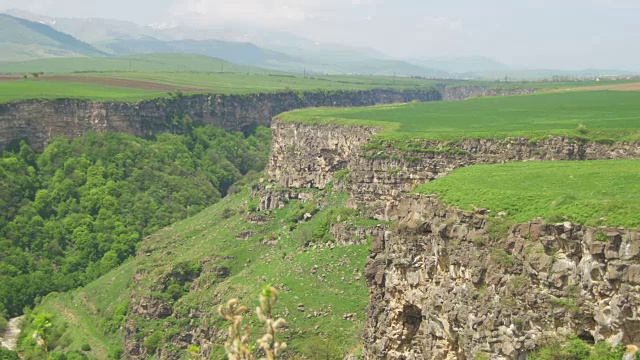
[559, 34]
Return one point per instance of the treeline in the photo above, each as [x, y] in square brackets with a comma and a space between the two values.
[80, 208]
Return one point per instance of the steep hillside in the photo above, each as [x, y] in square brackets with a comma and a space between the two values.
[25, 40]
[184, 272]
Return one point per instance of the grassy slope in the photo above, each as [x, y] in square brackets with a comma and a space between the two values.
[605, 114]
[588, 192]
[336, 288]
[83, 309]
[23, 39]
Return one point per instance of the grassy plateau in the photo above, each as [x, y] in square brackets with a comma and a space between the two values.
[588, 192]
[587, 114]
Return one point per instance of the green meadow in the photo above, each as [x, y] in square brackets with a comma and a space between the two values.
[42, 89]
[594, 193]
[595, 115]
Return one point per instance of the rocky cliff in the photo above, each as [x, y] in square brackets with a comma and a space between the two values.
[446, 284]
[38, 121]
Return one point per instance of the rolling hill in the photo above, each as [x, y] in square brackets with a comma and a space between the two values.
[22, 39]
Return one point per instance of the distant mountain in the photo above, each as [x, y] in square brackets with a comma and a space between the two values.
[461, 65]
[93, 30]
[549, 74]
[239, 53]
[247, 46]
[21, 39]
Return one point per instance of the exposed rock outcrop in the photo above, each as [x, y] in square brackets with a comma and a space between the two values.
[38, 121]
[469, 91]
[443, 288]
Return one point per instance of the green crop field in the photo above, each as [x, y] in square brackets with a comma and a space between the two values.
[588, 114]
[38, 89]
[594, 193]
[135, 78]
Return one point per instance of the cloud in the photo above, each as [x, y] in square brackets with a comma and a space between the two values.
[279, 13]
[252, 12]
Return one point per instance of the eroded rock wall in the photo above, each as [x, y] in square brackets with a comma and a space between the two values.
[470, 91]
[444, 287]
[38, 121]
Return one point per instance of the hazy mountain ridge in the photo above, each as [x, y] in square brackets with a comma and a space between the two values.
[245, 45]
[24, 40]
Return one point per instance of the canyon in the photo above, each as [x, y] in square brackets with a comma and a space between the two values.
[442, 284]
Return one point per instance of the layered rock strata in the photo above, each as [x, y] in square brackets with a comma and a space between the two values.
[38, 121]
[444, 286]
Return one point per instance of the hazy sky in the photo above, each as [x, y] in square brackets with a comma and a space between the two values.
[541, 33]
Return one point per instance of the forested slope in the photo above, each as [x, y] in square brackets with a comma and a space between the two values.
[80, 208]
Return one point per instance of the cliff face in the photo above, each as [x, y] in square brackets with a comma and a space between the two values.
[38, 121]
[445, 284]
[468, 91]
[442, 287]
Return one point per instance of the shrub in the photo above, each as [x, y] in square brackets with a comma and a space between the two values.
[153, 342]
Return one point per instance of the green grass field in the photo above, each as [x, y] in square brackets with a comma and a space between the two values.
[39, 89]
[215, 83]
[135, 78]
[587, 192]
[588, 114]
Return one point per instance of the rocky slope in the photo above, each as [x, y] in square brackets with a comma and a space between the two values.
[445, 284]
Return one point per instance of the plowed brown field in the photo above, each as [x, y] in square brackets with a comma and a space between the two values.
[124, 83]
[8, 78]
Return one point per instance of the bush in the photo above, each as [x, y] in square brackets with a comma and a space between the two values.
[8, 354]
[153, 342]
[86, 347]
[3, 324]
[577, 349]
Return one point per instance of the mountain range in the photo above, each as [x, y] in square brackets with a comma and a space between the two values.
[27, 36]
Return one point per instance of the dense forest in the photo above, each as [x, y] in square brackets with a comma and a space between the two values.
[81, 207]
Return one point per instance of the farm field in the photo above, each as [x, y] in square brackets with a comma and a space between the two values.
[135, 78]
[141, 86]
[594, 115]
[594, 193]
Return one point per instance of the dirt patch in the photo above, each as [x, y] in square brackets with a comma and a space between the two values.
[616, 87]
[10, 336]
[123, 83]
[9, 78]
